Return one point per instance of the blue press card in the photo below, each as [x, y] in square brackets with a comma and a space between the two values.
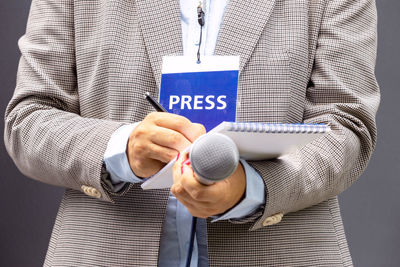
[206, 97]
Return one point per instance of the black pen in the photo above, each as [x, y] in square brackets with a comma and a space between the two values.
[157, 106]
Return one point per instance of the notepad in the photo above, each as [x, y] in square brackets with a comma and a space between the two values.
[255, 141]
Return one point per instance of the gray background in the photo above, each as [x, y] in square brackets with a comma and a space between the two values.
[370, 208]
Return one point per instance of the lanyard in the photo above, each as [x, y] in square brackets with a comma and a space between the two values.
[201, 20]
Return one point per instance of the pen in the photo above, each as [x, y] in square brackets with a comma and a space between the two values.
[157, 106]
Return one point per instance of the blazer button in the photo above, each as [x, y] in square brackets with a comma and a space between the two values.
[84, 189]
[91, 191]
[274, 219]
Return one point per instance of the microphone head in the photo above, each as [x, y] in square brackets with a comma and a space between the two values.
[213, 157]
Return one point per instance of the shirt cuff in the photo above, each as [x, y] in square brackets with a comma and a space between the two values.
[116, 160]
[255, 196]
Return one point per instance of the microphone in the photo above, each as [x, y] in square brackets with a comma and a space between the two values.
[213, 157]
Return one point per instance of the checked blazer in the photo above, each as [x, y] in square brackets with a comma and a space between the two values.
[84, 69]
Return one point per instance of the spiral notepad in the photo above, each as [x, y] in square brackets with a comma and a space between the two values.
[255, 141]
[276, 127]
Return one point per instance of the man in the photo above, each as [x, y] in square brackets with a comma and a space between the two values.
[84, 69]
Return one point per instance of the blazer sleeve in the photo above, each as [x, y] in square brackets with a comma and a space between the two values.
[44, 134]
[343, 93]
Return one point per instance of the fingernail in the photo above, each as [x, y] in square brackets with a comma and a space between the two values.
[182, 168]
[187, 162]
[177, 157]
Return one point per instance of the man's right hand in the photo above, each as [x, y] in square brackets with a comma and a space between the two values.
[158, 139]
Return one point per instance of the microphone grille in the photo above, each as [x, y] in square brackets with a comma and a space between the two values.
[214, 157]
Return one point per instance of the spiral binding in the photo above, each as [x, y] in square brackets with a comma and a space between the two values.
[290, 128]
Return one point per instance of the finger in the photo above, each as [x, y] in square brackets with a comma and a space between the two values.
[204, 193]
[181, 157]
[197, 208]
[200, 211]
[185, 199]
[169, 138]
[181, 194]
[198, 130]
[194, 189]
[144, 169]
[177, 168]
[178, 191]
[175, 122]
[163, 154]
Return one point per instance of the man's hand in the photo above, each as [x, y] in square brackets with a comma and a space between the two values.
[204, 201]
[158, 139]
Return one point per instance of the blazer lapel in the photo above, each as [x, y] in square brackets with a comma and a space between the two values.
[242, 26]
[161, 28]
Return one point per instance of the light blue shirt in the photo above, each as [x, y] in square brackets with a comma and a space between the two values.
[177, 225]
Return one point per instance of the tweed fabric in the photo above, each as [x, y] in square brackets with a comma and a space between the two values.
[84, 69]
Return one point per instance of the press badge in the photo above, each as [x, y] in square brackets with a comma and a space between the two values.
[203, 92]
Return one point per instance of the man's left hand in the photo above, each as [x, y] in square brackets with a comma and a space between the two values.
[204, 201]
